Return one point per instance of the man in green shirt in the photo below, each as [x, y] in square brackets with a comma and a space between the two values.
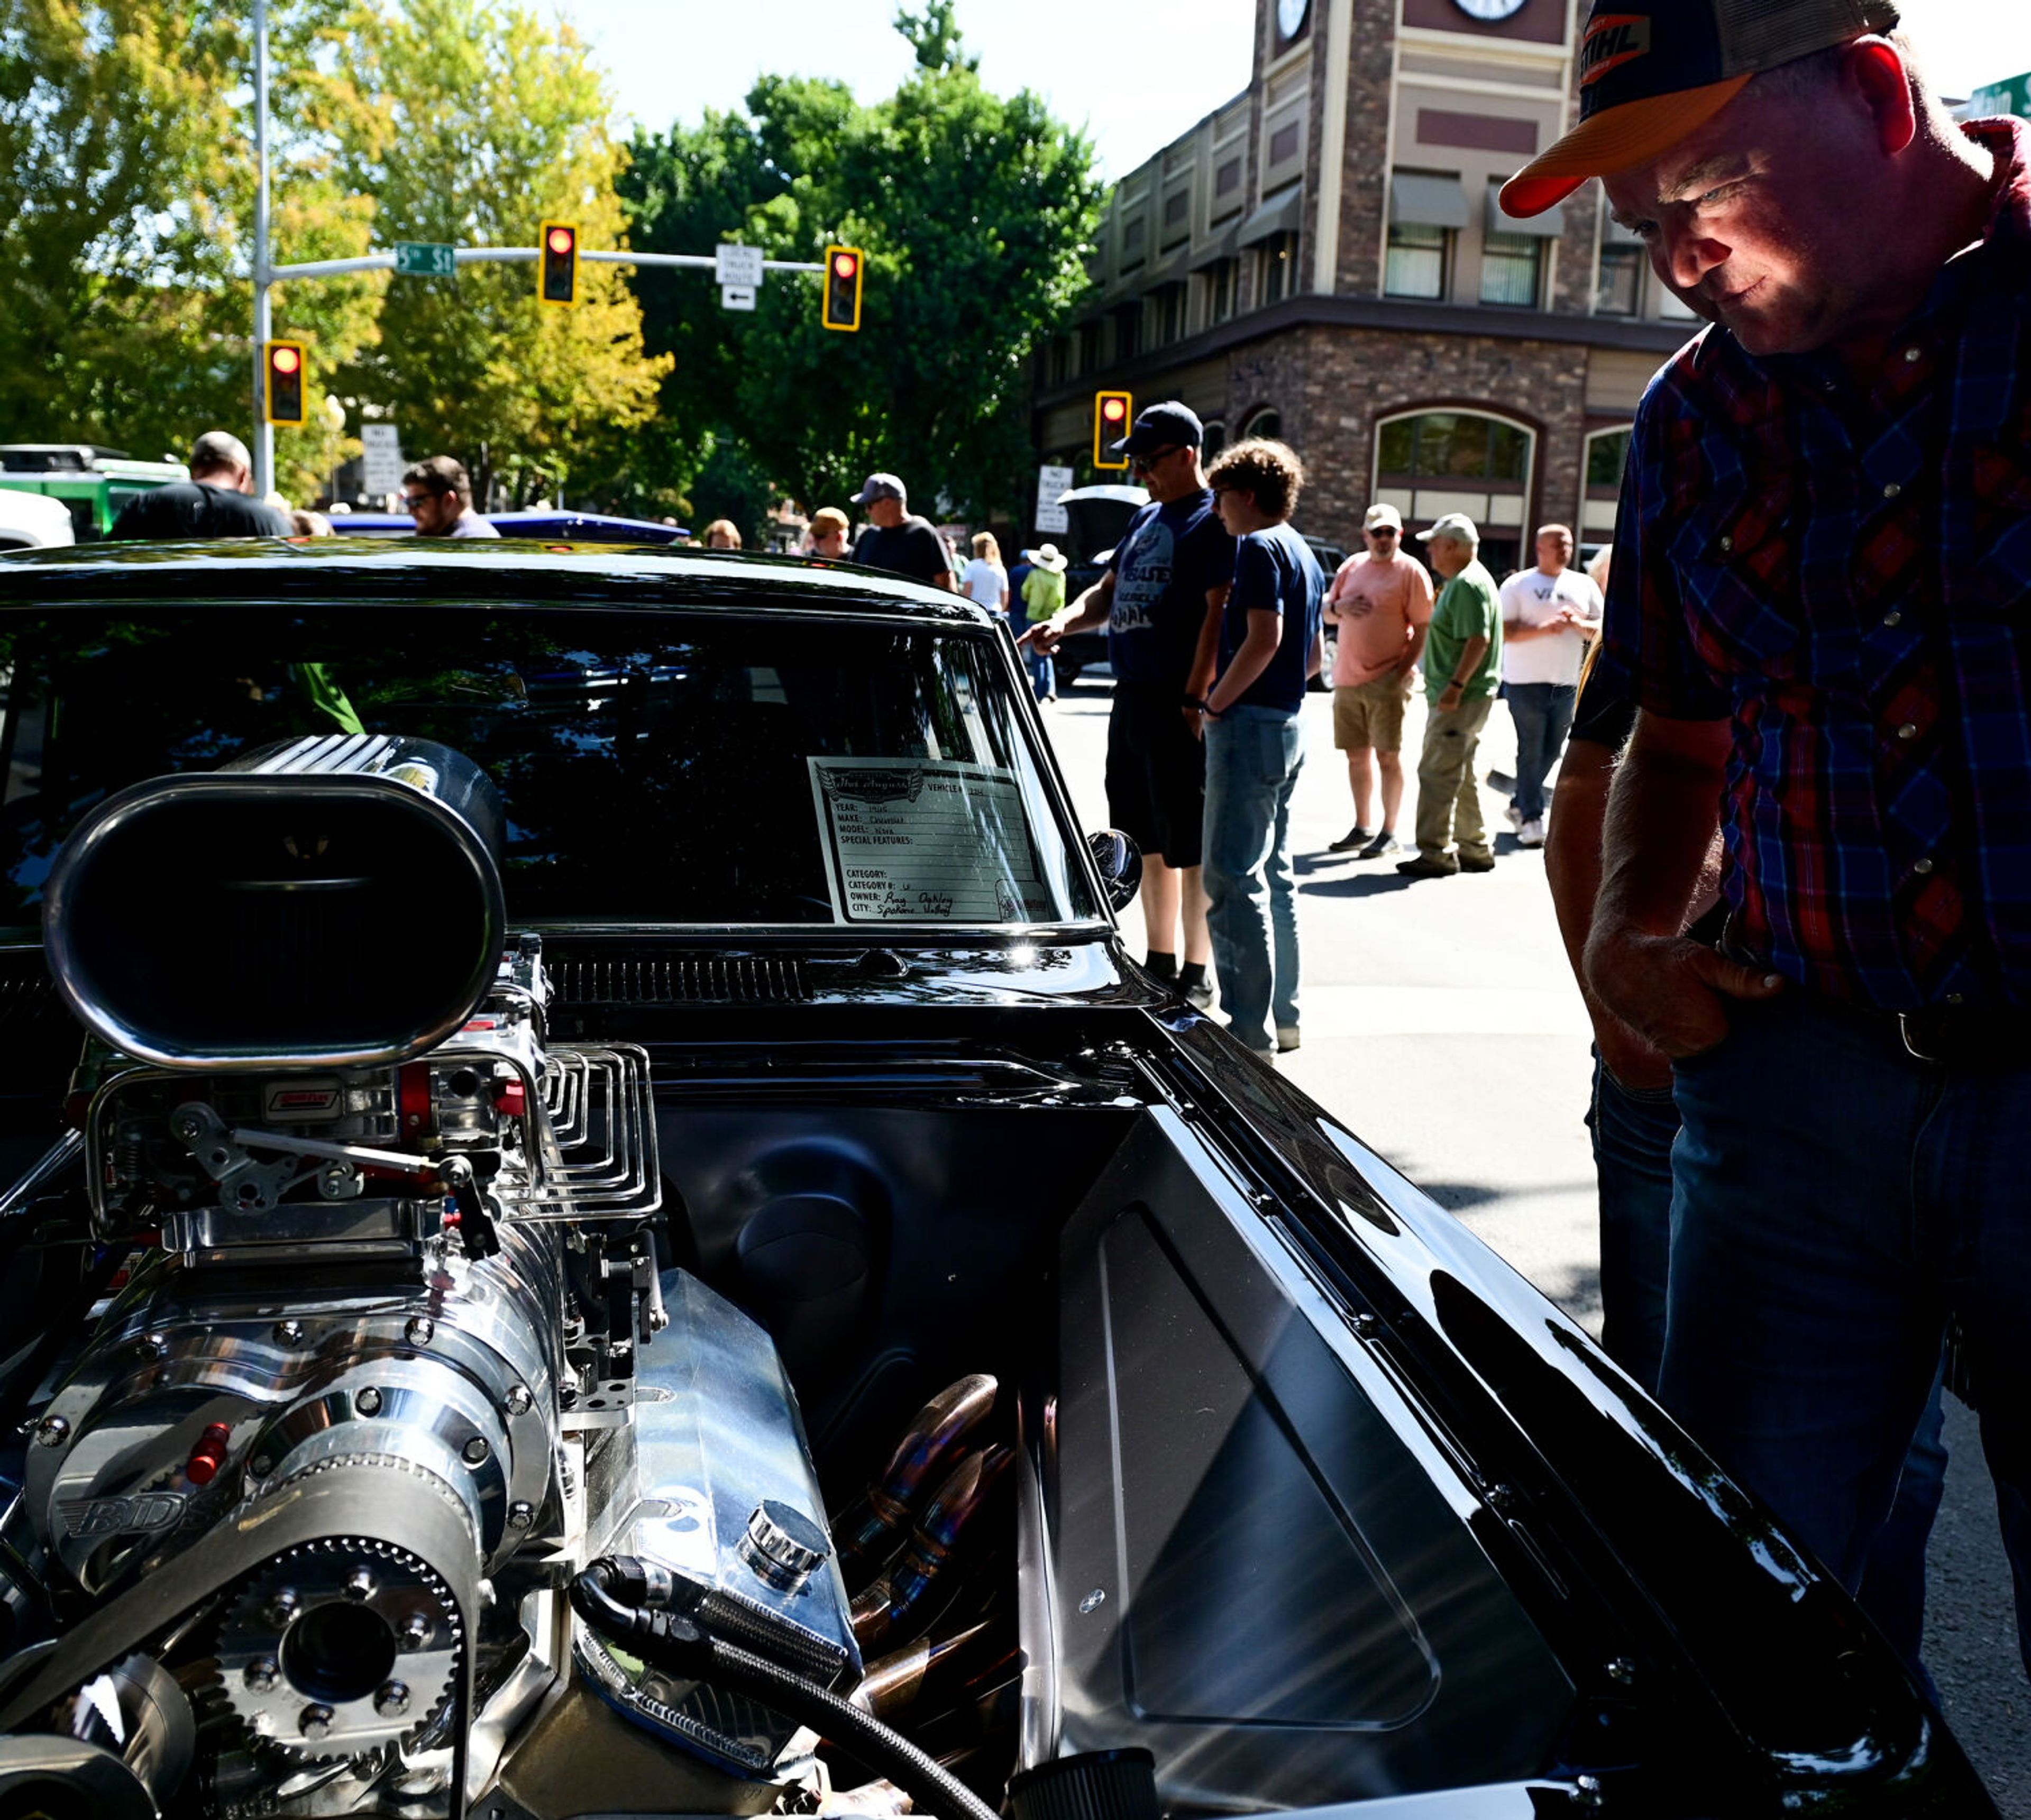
[1463, 665]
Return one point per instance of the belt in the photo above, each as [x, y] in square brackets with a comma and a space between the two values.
[1963, 1035]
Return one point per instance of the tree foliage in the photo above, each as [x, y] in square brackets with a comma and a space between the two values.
[975, 211]
[127, 188]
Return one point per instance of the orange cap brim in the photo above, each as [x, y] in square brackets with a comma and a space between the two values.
[1613, 140]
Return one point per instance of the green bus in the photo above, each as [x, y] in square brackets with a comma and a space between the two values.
[93, 483]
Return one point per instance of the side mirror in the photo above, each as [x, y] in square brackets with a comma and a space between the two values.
[1118, 861]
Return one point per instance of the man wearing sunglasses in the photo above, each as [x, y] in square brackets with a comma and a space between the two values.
[1161, 600]
[439, 493]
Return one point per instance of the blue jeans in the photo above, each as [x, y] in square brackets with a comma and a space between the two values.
[1253, 759]
[1633, 1130]
[1043, 676]
[1833, 1201]
[1542, 712]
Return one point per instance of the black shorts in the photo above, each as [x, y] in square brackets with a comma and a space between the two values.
[1156, 773]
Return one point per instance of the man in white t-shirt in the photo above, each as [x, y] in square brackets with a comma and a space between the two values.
[1550, 614]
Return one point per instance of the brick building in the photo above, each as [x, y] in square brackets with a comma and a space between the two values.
[1324, 258]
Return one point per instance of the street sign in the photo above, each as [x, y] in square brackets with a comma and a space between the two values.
[380, 458]
[1051, 515]
[2012, 96]
[736, 296]
[737, 268]
[426, 259]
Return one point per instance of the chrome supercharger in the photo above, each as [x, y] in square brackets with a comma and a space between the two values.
[393, 1353]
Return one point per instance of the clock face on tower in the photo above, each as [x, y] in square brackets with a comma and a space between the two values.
[1489, 10]
[1290, 16]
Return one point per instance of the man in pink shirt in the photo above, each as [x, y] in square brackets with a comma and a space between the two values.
[1381, 603]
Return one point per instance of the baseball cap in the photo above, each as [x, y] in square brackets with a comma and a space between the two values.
[881, 487]
[1379, 516]
[1453, 524]
[1157, 426]
[1651, 71]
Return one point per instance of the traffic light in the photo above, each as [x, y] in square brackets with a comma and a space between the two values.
[844, 268]
[284, 368]
[556, 264]
[1112, 412]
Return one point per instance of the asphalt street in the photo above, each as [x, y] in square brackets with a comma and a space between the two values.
[1440, 1024]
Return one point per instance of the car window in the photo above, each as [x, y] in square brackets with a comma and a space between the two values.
[662, 768]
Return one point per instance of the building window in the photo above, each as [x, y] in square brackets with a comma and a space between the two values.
[1060, 367]
[1416, 265]
[1132, 236]
[1227, 180]
[1269, 421]
[1170, 313]
[1091, 356]
[1431, 462]
[1128, 331]
[1606, 452]
[1618, 283]
[1212, 438]
[1279, 269]
[1510, 266]
[1177, 216]
[1283, 143]
[1222, 280]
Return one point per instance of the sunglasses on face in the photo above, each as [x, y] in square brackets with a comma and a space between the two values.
[1142, 464]
[411, 501]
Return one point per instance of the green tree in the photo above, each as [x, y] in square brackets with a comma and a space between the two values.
[976, 212]
[485, 123]
[126, 199]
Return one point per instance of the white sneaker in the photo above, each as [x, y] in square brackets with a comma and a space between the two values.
[1516, 815]
[1531, 833]
[1287, 1037]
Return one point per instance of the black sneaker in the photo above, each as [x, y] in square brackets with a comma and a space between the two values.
[1354, 837]
[1424, 868]
[1381, 847]
[1476, 863]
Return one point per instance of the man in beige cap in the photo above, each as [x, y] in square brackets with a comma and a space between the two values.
[1463, 665]
[1381, 602]
[1818, 606]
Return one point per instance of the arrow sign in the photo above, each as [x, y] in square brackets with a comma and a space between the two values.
[736, 296]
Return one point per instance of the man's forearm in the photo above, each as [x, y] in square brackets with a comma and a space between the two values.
[1205, 652]
[1412, 651]
[1657, 832]
[1091, 608]
[1248, 663]
[1468, 662]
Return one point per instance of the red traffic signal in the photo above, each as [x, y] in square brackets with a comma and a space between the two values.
[1112, 413]
[844, 268]
[283, 382]
[556, 264]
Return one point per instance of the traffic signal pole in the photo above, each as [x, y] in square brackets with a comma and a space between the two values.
[264, 431]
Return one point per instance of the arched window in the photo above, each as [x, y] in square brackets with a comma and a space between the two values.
[1213, 438]
[1269, 421]
[1606, 451]
[1427, 463]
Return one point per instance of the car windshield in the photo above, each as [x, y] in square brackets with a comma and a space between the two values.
[662, 768]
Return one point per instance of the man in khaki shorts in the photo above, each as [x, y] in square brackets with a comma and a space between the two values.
[1381, 602]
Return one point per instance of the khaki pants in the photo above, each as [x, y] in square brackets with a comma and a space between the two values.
[1448, 793]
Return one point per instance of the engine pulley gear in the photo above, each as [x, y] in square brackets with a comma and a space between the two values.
[340, 1647]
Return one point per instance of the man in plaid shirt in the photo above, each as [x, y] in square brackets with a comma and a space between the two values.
[1820, 603]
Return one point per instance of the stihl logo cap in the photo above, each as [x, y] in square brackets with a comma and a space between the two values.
[1650, 71]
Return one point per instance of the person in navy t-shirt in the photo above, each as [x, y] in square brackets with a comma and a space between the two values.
[1270, 645]
[1161, 598]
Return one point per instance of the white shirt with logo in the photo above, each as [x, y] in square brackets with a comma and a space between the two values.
[1534, 599]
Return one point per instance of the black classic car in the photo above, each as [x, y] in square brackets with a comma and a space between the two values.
[600, 1224]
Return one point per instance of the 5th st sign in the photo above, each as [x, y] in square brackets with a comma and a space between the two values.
[426, 259]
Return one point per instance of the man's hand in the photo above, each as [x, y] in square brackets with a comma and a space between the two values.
[1449, 699]
[1671, 992]
[1045, 635]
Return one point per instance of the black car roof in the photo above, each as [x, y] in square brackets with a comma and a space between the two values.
[523, 571]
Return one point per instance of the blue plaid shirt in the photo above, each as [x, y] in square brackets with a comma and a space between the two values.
[1843, 571]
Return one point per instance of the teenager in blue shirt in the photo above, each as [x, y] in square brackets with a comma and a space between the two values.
[1270, 645]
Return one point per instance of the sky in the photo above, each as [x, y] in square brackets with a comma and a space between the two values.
[1135, 73]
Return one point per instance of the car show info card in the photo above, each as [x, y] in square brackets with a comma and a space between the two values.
[927, 841]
